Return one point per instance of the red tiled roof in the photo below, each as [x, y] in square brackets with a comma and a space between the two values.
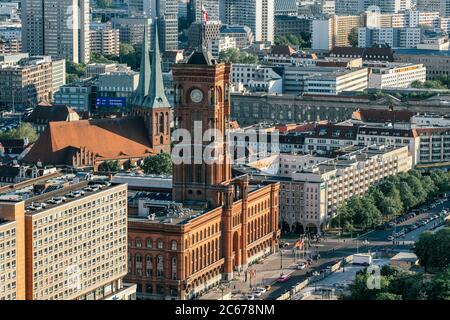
[106, 138]
[282, 50]
[373, 115]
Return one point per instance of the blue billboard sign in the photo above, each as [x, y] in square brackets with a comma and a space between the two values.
[111, 102]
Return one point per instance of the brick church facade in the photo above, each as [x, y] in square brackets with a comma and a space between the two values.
[225, 223]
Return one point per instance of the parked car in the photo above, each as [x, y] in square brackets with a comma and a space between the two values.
[390, 238]
[261, 289]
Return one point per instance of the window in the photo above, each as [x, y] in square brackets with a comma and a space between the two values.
[174, 268]
[173, 245]
[149, 243]
[138, 243]
[160, 244]
[149, 266]
[160, 266]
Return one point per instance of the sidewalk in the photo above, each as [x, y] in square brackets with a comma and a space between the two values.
[267, 272]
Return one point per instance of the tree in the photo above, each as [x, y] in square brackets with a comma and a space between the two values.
[74, 71]
[105, 4]
[109, 166]
[440, 286]
[353, 37]
[25, 130]
[234, 55]
[388, 296]
[160, 164]
[407, 196]
[433, 250]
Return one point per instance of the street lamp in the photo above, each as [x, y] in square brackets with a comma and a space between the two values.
[281, 259]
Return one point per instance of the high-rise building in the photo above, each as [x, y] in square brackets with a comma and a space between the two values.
[445, 8]
[56, 257]
[259, 15]
[353, 7]
[428, 5]
[57, 28]
[333, 31]
[166, 13]
[211, 6]
[393, 37]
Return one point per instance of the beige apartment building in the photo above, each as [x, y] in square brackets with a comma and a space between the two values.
[71, 242]
[12, 254]
[30, 80]
[323, 188]
[105, 40]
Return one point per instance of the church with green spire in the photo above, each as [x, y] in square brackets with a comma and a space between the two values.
[149, 100]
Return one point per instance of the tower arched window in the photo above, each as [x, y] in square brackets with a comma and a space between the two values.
[161, 123]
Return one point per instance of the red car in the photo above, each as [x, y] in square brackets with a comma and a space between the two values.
[284, 278]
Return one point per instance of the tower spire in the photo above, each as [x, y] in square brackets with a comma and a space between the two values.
[156, 97]
[144, 74]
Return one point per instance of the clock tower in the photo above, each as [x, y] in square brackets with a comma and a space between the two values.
[201, 108]
[149, 101]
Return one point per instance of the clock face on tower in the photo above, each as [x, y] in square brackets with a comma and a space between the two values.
[196, 96]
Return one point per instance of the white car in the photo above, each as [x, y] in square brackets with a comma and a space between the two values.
[262, 290]
[250, 297]
[301, 266]
[257, 294]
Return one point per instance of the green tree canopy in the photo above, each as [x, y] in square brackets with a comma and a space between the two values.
[109, 166]
[353, 37]
[234, 55]
[25, 130]
[160, 164]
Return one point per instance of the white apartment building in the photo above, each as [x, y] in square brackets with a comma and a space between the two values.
[394, 75]
[215, 46]
[333, 83]
[393, 37]
[414, 18]
[256, 78]
[317, 187]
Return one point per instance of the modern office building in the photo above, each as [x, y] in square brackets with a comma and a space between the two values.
[436, 62]
[56, 28]
[259, 15]
[292, 25]
[286, 7]
[394, 75]
[131, 29]
[57, 257]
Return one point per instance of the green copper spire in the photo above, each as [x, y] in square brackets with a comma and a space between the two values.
[156, 97]
[144, 75]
